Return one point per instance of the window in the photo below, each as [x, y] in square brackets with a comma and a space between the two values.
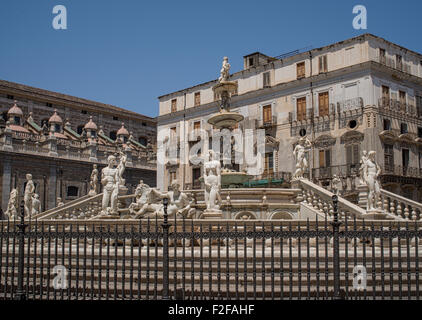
[266, 79]
[403, 128]
[144, 124]
[173, 105]
[399, 62]
[113, 135]
[115, 118]
[80, 129]
[300, 70]
[10, 97]
[197, 98]
[72, 191]
[267, 114]
[172, 176]
[352, 154]
[382, 56]
[301, 109]
[57, 128]
[385, 93]
[387, 124]
[419, 132]
[323, 66]
[197, 125]
[324, 104]
[196, 174]
[48, 104]
[17, 120]
[4, 115]
[84, 112]
[269, 163]
[402, 99]
[251, 62]
[143, 141]
[389, 157]
[419, 105]
[405, 158]
[325, 158]
[44, 122]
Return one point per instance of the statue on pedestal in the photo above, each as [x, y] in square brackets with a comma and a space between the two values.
[225, 69]
[299, 153]
[371, 172]
[29, 192]
[12, 205]
[36, 204]
[112, 179]
[335, 184]
[142, 192]
[212, 181]
[94, 181]
[60, 202]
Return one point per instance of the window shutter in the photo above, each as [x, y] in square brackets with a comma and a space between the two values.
[327, 158]
[322, 159]
[349, 155]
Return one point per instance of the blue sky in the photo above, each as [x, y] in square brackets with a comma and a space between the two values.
[127, 53]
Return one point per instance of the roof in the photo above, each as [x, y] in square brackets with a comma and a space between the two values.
[15, 110]
[123, 131]
[360, 37]
[64, 99]
[90, 125]
[15, 127]
[55, 118]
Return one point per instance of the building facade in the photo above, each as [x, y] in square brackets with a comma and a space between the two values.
[58, 138]
[357, 95]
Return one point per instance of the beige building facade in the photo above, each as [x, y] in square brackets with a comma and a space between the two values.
[357, 95]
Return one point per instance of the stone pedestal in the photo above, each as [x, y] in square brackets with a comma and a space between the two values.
[376, 214]
[212, 214]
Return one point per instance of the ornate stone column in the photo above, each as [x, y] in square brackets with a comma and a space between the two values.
[6, 182]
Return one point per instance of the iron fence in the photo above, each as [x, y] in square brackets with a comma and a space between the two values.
[201, 259]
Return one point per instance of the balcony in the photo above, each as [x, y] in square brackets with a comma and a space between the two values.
[392, 63]
[266, 123]
[269, 180]
[397, 106]
[349, 104]
[402, 171]
[347, 170]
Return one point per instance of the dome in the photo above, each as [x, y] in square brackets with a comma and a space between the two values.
[55, 118]
[15, 110]
[91, 125]
[123, 131]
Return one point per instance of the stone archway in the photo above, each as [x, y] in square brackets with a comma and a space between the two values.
[245, 215]
[281, 215]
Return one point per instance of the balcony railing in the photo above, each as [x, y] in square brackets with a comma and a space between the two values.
[398, 106]
[392, 63]
[340, 171]
[349, 104]
[402, 171]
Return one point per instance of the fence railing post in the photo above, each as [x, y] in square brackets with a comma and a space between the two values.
[165, 227]
[336, 249]
[20, 293]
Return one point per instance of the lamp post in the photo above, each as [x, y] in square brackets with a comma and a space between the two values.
[20, 294]
[166, 227]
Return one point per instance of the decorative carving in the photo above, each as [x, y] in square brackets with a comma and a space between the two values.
[94, 181]
[112, 179]
[225, 69]
[352, 137]
[212, 181]
[29, 192]
[324, 141]
[36, 204]
[12, 205]
[371, 172]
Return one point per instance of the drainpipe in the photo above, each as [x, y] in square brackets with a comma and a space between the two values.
[184, 142]
[312, 120]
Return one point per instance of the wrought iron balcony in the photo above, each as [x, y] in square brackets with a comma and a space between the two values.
[397, 106]
[349, 104]
[347, 170]
[402, 171]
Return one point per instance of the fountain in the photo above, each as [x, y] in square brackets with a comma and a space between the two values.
[226, 119]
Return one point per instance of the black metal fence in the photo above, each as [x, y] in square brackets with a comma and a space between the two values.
[186, 259]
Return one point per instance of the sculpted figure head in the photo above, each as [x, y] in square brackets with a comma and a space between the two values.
[111, 161]
[211, 155]
[29, 176]
[175, 185]
[371, 155]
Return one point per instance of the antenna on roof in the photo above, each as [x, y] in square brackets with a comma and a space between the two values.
[292, 53]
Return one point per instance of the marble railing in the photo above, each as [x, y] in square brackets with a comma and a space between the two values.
[320, 200]
[401, 207]
[83, 208]
[65, 206]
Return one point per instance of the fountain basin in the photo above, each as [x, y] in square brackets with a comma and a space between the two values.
[225, 120]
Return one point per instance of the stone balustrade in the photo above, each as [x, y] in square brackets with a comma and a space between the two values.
[401, 207]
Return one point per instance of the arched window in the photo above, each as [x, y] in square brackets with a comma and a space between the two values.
[4, 115]
[80, 129]
[72, 191]
[143, 141]
[113, 135]
[57, 128]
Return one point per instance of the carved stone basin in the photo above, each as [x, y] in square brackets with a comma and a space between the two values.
[225, 120]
